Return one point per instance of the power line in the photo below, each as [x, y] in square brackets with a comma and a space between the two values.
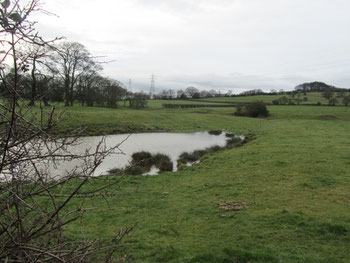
[130, 86]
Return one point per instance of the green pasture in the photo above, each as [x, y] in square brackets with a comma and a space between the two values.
[293, 177]
[312, 98]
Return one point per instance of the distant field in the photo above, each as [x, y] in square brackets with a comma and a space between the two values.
[313, 98]
[294, 177]
[157, 104]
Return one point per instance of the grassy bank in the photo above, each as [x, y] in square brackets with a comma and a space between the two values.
[293, 180]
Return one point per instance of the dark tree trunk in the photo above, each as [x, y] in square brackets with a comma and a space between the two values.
[34, 85]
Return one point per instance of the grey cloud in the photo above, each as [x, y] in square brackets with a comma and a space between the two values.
[271, 44]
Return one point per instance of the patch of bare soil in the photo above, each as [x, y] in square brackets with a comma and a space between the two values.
[347, 119]
[232, 206]
[327, 117]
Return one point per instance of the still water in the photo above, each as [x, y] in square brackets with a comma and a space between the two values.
[172, 144]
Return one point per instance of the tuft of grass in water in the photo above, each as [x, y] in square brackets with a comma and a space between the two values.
[199, 153]
[165, 166]
[137, 169]
[159, 157]
[187, 158]
[215, 132]
[115, 172]
[142, 158]
[233, 142]
[214, 149]
[229, 135]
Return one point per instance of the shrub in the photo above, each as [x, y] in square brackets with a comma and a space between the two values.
[254, 109]
[257, 109]
[275, 102]
[239, 110]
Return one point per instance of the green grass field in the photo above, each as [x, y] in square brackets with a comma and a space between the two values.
[312, 98]
[294, 177]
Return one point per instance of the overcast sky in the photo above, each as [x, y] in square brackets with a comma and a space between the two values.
[211, 44]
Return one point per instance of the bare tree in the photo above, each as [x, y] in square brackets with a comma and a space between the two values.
[181, 94]
[191, 91]
[86, 84]
[36, 58]
[33, 204]
[72, 60]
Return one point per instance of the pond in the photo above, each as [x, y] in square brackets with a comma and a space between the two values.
[171, 144]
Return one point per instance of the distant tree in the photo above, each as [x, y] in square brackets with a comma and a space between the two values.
[327, 94]
[315, 87]
[55, 90]
[283, 100]
[43, 83]
[114, 92]
[254, 109]
[346, 100]
[171, 94]
[166, 94]
[196, 95]
[213, 92]
[298, 100]
[87, 85]
[72, 60]
[38, 63]
[341, 94]
[191, 91]
[275, 102]
[332, 101]
[138, 100]
[181, 94]
[252, 92]
[205, 94]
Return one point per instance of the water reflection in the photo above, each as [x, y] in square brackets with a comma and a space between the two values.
[171, 144]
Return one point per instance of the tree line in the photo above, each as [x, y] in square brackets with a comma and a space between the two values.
[65, 72]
